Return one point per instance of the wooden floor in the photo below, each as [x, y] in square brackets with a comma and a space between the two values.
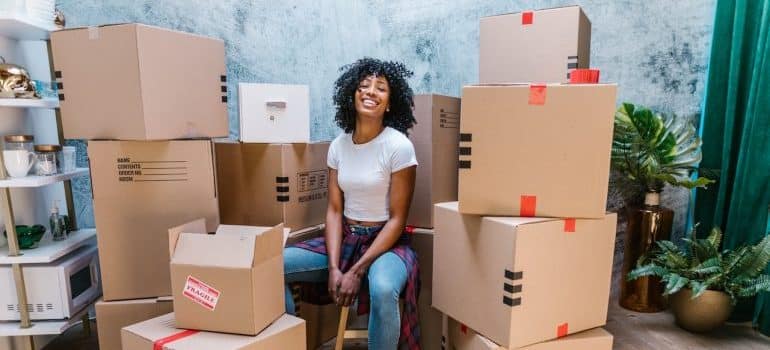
[632, 331]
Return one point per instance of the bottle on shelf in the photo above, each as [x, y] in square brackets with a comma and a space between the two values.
[57, 223]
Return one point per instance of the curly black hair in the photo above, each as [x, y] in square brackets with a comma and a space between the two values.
[400, 116]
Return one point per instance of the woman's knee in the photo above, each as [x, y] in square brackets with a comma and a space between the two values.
[383, 289]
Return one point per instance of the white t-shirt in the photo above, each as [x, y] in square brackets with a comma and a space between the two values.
[363, 171]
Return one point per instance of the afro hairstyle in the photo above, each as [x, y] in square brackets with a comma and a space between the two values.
[400, 116]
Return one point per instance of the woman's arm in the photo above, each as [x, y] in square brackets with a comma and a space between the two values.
[401, 189]
[333, 232]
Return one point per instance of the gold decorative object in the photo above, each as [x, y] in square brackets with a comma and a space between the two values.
[702, 314]
[15, 81]
[58, 19]
[646, 225]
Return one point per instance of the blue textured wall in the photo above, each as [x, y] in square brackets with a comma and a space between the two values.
[655, 50]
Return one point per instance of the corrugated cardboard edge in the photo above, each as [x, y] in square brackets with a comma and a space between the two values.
[536, 10]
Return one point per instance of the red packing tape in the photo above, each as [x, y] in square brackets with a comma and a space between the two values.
[562, 330]
[537, 94]
[569, 225]
[527, 206]
[584, 76]
[464, 329]
[158, 344]
[527, 17]
[409, 229]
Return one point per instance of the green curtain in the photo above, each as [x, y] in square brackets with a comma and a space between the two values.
[736, 130]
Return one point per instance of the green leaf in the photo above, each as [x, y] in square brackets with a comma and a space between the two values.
[646, 270]
[674, 283]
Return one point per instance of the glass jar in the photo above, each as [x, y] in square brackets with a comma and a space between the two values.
[46, 162]
[19, 143]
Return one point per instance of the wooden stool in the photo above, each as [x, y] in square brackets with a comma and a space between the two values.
[343, 333]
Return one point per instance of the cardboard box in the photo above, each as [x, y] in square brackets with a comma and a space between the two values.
[432, 321]
[140, 189]
[267, 184]
[534, 46]
[286, 333]
[520, 281]
[321, 322]
[230, 282]
[274, 113]
[114, 315]
[542, 151]
[435, 138]
[463, 338]
[139, 82]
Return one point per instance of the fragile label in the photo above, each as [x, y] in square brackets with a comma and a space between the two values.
[201, 293]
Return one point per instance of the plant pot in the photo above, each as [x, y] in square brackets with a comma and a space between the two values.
[646, 225]
[702, 314]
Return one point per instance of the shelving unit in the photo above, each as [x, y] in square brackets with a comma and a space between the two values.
[29, 103]
[39, 181]
[49, 250]
[21, 28]
[11, 329]
[19, 34]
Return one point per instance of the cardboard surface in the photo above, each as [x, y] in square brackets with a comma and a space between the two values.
[274, 113]
[286, 333]
[523, 290]
[463, 338]
[267, 184]
[139, 82]
[432, 321]
[545, 50]
[140, 189]
[114, 315]
[545, 160]
[435, 138]
[322, 322]
[230, 282]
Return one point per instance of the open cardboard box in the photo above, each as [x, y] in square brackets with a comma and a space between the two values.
[231, 281]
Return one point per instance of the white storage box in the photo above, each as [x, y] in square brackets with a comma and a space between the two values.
[38, 11]
[274, 113]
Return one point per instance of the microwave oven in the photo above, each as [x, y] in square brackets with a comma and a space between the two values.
[55, 291]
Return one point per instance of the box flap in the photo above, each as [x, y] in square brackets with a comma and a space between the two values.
[197, 226]
[507, 220]
[232, 246]
[538, 10]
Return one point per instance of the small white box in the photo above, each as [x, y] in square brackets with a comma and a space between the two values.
[274, 113]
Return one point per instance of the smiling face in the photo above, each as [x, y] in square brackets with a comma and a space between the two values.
[372, 97]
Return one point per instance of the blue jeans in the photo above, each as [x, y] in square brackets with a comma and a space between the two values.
[387, 277]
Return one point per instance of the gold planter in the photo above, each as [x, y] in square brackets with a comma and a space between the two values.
[646, 225]
[702, 314]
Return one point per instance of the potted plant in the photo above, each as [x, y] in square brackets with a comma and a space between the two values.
[703, 282]
[650, 150]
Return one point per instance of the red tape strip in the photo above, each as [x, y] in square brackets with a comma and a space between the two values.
[562, 330]
[527, 17]
[527, 206]
[569, 225]
[464, 329]
[537, 94]
[409, 229]
[158, 344]
[584, 76]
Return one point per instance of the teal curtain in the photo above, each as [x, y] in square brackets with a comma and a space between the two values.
[736, 130]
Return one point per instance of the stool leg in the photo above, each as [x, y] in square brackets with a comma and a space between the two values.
[341, 329]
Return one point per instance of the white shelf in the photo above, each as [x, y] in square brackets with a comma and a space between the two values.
[39, 181]
[20, 28]
[12, 329]
[49, 250]
[29, 103]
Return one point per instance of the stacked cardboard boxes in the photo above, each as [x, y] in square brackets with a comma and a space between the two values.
[524, 257]
[274, 174]
[227, 293]
[149, 100]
